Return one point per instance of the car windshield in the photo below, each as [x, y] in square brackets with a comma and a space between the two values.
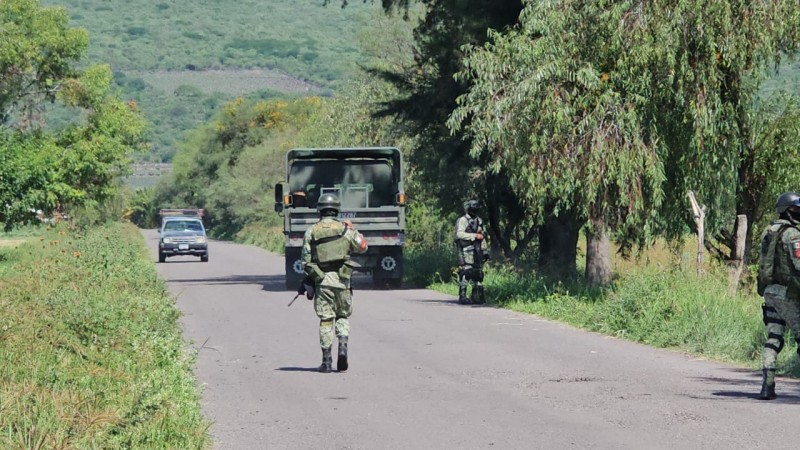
[183, 225]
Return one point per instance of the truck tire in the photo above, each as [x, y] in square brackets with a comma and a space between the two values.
[204, 258]
[162, 257]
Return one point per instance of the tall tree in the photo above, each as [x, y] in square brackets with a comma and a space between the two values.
[428, 92]
[559, 103]
[592, 104]
[715, 55]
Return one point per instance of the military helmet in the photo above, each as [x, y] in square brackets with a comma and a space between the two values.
[471, 205]
[328, 202]
[786, 200]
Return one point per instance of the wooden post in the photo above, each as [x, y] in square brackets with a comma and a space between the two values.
[699, 219]
[737, 262]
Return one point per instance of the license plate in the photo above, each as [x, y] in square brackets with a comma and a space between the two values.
[183, 246]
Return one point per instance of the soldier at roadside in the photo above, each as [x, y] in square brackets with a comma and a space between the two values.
[779, 283]
[327, 247]
[471, 250]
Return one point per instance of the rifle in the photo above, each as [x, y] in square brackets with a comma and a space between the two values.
[306, 287]
[295, 298]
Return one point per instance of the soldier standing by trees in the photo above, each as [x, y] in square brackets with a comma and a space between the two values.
[779, 283]
[470, 245]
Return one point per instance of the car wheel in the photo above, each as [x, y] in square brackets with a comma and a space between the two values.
[204, 258]
[162, 257]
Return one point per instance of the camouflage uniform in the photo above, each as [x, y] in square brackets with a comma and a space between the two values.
[782, 298]
[470, 258]
[333, 302]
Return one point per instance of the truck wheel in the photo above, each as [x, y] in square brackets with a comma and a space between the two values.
[162, 257]
[204, 258]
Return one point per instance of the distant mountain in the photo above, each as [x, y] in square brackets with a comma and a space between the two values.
[181, 59]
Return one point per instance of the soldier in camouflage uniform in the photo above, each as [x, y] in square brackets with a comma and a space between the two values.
[470, 247]
[326, 259]
[779, 283]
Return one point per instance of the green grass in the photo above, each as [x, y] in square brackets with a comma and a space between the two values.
[91, 355]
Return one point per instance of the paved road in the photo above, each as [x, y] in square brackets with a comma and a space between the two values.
[427, 373]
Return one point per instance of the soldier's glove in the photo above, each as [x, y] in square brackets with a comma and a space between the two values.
[307, 288]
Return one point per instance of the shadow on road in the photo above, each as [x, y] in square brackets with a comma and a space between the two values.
[298, 369]
[788, 392]
[271, 283]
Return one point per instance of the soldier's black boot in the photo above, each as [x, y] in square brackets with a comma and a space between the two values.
[768, 386]
[462, 294]
[480, 296]
[327, 361]
[341, 362]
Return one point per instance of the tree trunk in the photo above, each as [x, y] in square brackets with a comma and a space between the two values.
[736, 265]
[558, 246]
[598, 255]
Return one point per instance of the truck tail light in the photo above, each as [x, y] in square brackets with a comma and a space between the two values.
[401, 199]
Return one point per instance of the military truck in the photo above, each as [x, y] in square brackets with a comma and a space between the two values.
[369, 184]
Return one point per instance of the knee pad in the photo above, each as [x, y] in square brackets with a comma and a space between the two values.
[778, 338]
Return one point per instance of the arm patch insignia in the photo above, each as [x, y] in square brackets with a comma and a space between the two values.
[796, 249]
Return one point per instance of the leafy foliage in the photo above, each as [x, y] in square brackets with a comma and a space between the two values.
[428, 93]
[37, 51]
[560, 104]
[229, 167]
[41, 170]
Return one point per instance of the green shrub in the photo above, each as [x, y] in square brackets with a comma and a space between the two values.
[136, 31]
[262, 234]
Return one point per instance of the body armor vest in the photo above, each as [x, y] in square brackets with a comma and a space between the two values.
[770, 270]
[328, 243]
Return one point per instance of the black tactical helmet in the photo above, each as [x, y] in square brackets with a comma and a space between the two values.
[786, 200]
[471, 206]
[328, 202]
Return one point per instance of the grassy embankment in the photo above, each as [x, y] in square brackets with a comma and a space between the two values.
[91, 354]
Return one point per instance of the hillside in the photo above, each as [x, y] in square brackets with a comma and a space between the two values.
[180, 60]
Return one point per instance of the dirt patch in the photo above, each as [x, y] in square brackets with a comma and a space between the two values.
[233, 82]
[11, 243]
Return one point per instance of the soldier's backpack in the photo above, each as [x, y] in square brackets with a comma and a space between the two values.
[328, 242]
[766, 261]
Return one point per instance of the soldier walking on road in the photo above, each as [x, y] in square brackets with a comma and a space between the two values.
[327, 247]
[471, 247]
[779, 283]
